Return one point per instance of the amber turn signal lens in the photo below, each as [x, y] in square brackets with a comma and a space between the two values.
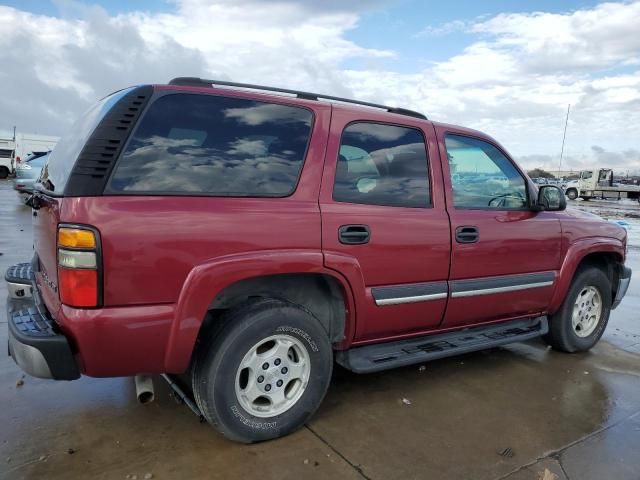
[76, 238]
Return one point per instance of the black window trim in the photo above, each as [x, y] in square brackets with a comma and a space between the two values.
[390, 124]
[158, 94]
[527, 188]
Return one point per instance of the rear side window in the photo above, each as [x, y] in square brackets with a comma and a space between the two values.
[211, 145]
[382, 165]
[56, 172]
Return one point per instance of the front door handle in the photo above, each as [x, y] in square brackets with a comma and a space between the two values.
[354, 234]
[467, 234]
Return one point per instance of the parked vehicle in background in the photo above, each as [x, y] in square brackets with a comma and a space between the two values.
[250, 236]
[30, 142]
[599, 183]
[571, 189]
[7, 157]
[28, 171]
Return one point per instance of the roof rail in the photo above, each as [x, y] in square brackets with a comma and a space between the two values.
[201, 82]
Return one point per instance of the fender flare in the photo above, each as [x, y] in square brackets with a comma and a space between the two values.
[205, 282]
[576, 252]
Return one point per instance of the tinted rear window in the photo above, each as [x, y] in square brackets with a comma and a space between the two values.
[56, 172]
[212, 145]
[38, 161]
[34, 155]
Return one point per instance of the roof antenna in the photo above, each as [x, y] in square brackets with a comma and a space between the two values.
[564, 136]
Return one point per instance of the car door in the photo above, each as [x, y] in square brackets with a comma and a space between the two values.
[384, 223]
[505, 256]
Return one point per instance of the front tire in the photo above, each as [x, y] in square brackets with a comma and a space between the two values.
[4, 172]
[264, 373]
[580, 322]
[572, 193]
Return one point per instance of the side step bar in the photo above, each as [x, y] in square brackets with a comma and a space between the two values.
[383, 356]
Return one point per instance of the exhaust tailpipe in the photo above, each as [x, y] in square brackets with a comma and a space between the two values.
[144, 388]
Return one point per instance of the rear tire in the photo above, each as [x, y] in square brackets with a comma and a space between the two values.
[581, 320]
[264, 373]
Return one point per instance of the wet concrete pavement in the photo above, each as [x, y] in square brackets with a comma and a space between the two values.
[507, 413]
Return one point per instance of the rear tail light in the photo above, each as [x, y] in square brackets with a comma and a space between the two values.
[78, 266]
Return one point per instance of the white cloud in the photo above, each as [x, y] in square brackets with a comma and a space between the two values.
[596, 38]
[514, 80]
[443, 29]
[54, 67]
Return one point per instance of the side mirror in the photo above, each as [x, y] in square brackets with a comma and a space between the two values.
[551, 198]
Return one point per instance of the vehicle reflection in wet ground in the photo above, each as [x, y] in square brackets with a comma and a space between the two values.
[504, 413]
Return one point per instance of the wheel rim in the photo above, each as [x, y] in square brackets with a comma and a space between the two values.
[587, 311]
[272, 376]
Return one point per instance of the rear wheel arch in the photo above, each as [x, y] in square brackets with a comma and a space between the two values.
[312, 291]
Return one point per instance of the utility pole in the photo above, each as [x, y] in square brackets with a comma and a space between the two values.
[564, 136]
[14, 133]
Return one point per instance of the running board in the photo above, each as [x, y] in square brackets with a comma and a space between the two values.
[383, 356]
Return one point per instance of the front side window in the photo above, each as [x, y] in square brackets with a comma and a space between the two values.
[212, 145]
[482, 177]
[382, 165]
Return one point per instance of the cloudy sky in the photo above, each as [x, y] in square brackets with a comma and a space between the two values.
[509, 68]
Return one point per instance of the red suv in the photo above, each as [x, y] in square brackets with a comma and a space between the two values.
[249, 236]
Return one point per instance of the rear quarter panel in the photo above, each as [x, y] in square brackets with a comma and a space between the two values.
[171, 251]
[150, 244]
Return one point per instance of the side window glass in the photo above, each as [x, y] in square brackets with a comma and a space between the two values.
[382, 165]
[190, 144]
[482, 177]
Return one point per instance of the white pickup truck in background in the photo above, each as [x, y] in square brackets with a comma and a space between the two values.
[598, 183]
[7, 157]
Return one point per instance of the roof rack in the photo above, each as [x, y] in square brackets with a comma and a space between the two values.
[201, 82]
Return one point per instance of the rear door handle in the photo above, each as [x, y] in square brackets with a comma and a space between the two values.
[354, 234]
[467, 234]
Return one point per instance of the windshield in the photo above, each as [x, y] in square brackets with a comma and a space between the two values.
[57, 169]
